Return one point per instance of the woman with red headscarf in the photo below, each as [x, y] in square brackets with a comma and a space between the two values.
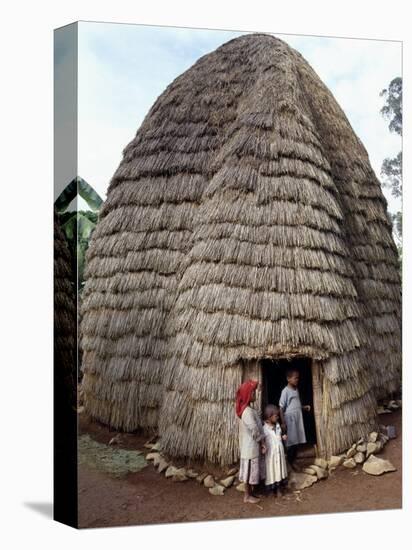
[251, 440]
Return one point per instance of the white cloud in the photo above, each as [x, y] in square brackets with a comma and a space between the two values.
[356, 71]
[124, 68]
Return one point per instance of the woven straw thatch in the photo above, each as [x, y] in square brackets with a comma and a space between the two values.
[245, 221]
[65, 326]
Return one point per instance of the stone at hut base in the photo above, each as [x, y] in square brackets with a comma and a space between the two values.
[335, 461]
[156, 446]
[232, 471]
[349, 463]
[321, 473]
[382, 410]
[116, 439]
[359, 458]
[310, 471]
[227, 482]
[153, 456]
[80, 409]
[377, 466]
[373, 437]
[393, 405]
[201, 477]
[217, 490]
[171, 471]
[373, 448]
[361, 448]
[351, 451]
[209, 482]
[162, 465]
[192, 474]
[180, 476]
[383, 438]
[391, 432]
[299, 481]
[322, 463]
[241, 487]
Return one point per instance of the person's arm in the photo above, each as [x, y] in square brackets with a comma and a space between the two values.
[282, 406]
[250, 422]
[283, 433]
[282, 420]
[265, 441]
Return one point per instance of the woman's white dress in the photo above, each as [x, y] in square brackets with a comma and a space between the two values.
[276, 469]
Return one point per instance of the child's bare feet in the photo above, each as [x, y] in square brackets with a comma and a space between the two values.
[250, 499]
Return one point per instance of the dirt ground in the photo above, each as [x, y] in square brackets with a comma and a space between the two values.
[146, 497]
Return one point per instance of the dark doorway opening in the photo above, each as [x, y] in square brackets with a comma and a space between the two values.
[274, 380]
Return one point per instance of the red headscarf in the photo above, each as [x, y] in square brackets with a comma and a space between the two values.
[243, 395]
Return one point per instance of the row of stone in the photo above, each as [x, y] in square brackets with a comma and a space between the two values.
[216, 488]
[364, 451]
[361, 452]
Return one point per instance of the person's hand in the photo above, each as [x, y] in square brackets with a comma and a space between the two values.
[306, 408]
[284, 437]
[263, 449]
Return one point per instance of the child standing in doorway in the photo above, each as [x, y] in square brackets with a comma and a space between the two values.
[276, 469]
[251, 440]
[291, 415]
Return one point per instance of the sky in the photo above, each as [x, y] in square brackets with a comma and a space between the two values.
[122, 69]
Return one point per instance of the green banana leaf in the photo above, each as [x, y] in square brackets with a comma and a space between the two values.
[78, 186]
[78, 228]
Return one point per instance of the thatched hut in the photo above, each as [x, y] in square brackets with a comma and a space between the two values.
[243, 231]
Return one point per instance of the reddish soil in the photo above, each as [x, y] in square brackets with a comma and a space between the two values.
[147, 497]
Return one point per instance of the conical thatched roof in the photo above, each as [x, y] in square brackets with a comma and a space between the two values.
[245, 221]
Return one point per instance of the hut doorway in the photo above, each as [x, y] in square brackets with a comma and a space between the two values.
[274, 380]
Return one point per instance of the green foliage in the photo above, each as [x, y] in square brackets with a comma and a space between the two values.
[78, 186]
[392, 109]
[78, 226]
[392, 172]
[397, 222]
[391, 169]
[110, 460]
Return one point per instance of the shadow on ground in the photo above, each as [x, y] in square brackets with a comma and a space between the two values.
[45, 509]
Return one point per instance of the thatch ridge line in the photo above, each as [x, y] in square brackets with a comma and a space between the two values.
[276, 316]
[318, 262]
[338, 339]
[304, 233]
[133, 297]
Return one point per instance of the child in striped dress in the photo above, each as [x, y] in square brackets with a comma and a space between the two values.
[251, 440]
